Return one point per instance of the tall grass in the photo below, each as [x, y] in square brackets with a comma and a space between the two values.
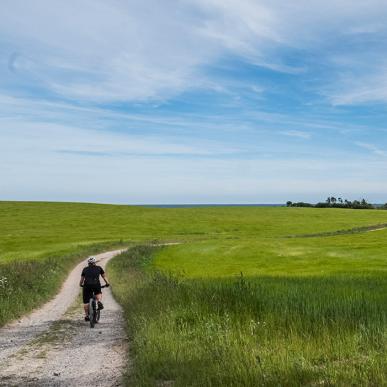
[251, 331]
[26, 284]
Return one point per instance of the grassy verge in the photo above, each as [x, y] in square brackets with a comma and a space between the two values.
[27, 284]
[320, 330]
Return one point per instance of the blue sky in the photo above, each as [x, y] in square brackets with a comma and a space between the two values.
[193, 101]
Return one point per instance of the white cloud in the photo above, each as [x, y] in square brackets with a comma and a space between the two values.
[43, 161]
[372, 148]
[96, 50]
[370, 86]
[297, 133]
[93, 52]
[43, 139]
[134, 51]
[262, 30]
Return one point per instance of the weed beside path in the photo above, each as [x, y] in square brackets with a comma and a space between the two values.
[255, 331]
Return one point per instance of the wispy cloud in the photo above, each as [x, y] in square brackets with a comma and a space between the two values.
[67, 163]
[297, 133]
[372, 148]
[106, 52]
[230, 99]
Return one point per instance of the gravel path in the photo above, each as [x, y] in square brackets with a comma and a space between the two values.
[53, 346]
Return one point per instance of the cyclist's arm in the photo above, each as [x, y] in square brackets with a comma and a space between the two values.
[105, 278]
[82, 280]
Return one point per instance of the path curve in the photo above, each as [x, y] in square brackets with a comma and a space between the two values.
[53, 346]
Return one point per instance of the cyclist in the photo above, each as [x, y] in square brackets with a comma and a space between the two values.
[91, 284]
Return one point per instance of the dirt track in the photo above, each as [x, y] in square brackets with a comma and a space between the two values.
[53, 346]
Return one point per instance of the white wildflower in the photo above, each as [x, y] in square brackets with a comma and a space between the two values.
[3, 282]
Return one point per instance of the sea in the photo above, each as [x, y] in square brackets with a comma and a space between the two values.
[210, 205]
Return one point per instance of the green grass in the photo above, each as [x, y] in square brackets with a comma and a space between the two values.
[364, 253]
[33, 229]
[260, 330]
[307, 310]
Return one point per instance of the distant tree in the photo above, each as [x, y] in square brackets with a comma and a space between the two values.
[302, 204]
[365, 205]
[332, 202]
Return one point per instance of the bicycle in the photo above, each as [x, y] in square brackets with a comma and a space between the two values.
[94, 311]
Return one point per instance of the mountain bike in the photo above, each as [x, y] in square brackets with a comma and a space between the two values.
[94, 311]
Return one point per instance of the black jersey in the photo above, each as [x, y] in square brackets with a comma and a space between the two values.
[91, 274]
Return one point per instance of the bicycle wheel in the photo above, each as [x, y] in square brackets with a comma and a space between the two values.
[92, 312]
[97, 315]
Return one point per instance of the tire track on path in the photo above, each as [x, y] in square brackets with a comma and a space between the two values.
[354, 230]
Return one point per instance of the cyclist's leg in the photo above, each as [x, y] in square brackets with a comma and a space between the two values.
[86, 295]
[98, 296]
[98, 292]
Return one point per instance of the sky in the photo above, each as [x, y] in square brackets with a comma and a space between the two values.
[193, 101]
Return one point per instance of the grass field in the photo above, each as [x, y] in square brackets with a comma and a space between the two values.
[270, 327]
[308, 311]
[361, 254]
[37, 229]
[259, 310]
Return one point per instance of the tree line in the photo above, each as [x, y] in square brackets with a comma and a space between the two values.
[332, 202]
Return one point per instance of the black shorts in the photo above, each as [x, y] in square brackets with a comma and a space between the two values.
[89, 291]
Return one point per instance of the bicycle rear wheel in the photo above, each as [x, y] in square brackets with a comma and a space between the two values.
[92, 312]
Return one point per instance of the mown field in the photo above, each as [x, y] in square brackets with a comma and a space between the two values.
[240, 301]
[33, 230]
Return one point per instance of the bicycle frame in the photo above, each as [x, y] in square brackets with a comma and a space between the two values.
[94, 312]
